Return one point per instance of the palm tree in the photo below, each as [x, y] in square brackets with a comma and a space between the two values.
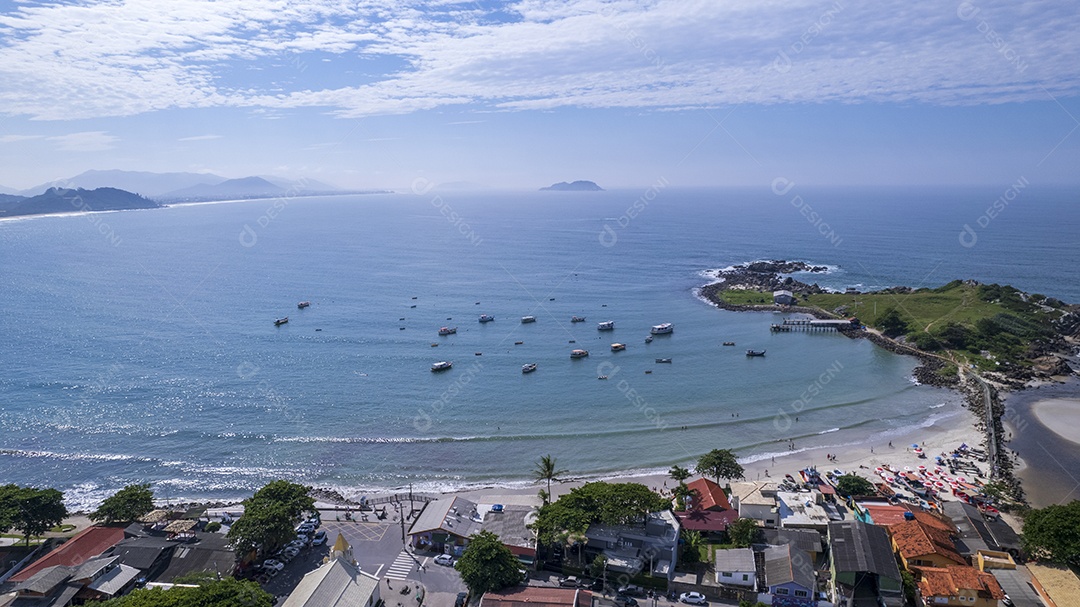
[679, 473]
[680, 493]
[547, 471]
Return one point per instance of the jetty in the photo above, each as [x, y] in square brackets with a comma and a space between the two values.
[809, 324]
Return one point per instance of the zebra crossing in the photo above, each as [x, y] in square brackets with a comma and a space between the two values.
[401, 567]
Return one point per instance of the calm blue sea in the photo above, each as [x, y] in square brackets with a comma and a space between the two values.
[139, 346]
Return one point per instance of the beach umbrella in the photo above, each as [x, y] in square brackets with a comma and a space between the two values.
[939, 484]
[907, 468]
[879, 469]
[921, 468]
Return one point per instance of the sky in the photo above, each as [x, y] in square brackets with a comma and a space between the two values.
[523, 94]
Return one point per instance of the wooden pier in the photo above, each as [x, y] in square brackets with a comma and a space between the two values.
[812, 325]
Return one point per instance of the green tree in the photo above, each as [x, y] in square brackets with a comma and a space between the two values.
[679, 473]
[126, 505]
[599, 502]
[1053, 533]
[743, 532]
[218, 593]
[487, 564]
[269, 517]
[909, 587]
[546, 470]
[892, 324]
[851, 484]
[32, 511]
[294, 498]
[719, 463]
[596, 568]
[681, 492]
[692, 543]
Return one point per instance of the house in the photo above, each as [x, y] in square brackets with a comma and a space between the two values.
[336, 583]
[735, 566]
[652, 546]
[862, 564]
[445, 526]
[958, 585]
[204, 552]
[82, 547]
[150, 555]
[707, 495]
[801, 510]
[791, 584]
[804, 542]
[511, 523]
[97, 579]
[978, 533]
[756, 500]
[783, 297]
[537, 596]
[921, 545]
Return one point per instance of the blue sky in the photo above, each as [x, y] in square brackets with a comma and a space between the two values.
[522, 94]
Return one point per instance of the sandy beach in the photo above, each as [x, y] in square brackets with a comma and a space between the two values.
[1061, 416]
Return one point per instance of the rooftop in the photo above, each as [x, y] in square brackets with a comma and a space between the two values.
[806, 540]
[334, 584]
[779, 569]
[82, 547]
[801, 509]
[757, 493]
[706, 520]
[859, 547]
[949, 581]
[536, 596]
[735, 559]
[451, 514]
[510, 525]
[914, 539]
[709, 495]
[210, 552]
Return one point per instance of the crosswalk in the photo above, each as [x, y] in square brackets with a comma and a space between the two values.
[401, 567]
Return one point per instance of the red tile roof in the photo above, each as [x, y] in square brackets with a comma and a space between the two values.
[885, 514]
[949, 581]
[914, 539]
[83, 546]
[706, 520]
[537, 596]
[710, 496]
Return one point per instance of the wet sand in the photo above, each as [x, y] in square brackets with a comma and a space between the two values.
[1061, 416]
[1050, 461]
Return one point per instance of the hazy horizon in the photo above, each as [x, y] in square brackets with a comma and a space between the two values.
[517, 95]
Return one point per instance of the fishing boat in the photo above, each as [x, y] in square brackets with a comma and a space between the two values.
[528, 367]
[486, 318]
[729, 343]
[281, 321]
[579, 353]
[662, 329]
[447, 330]
[577, 319]
[442, 365]
[607, 325]
[663, 360]
[303, 304]
[755, 352]
[527, 319]
[618, 347]
[648, 339]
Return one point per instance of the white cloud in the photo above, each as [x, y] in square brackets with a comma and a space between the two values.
[129, 57]
[18, 138]
[86, 141]
[199, 138]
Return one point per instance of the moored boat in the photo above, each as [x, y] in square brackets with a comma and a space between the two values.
[303, 304]
[447, 330]
[729, 343]
[579, 353]
[442, 365]
[618, 347]
[607, 325]
[527, 319]
[281, 321]
[662, 329]
[663, 360]
[577, 319]
[528, 367]
[648, 339]
[755, 352]
[486, 318]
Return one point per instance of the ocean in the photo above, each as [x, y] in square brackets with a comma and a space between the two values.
[139, 346]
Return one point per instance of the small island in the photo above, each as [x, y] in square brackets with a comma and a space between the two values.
[64, 200]
[577, 186]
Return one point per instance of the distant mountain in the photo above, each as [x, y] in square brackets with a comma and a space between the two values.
[6, 190]
[577, 186]
[57, 200]
[245, 187]
[9, 198]
[303, 184]
[145, 183]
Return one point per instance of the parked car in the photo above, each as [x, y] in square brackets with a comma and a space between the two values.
[303, 538]
[462, 599]
[569, 582]
[445, 560]
[524, 576]
[297, 543]
[319, 539]
[315, 521]
[274, 564]
[306, 528]
[632, 590]
[693, 598]
[625, 601]
[291, 552]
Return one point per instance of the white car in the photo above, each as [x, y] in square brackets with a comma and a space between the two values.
[291, 552]
[445, 560]
[274, 564]
[693, 598]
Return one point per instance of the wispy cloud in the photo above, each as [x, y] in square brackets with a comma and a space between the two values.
[199, 138]
[18, 138]
[467, 122]
[88, 60]
[86, 141]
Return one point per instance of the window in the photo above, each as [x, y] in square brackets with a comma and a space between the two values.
[745, 577]
[800, 593]
[781, 591]
[726, 574]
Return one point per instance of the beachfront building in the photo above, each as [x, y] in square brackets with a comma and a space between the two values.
[708, 510]
[735, 567]
[976, 532]
[82, 547]
[756, 500]
[783, 297]
[791, 583]
[707, 495]
[802, 510]
[652, 546]
[537, 596]
[958, 585]
[97, 579]
[922, 545]
[445, 526]
[336, 583]
[862, 564]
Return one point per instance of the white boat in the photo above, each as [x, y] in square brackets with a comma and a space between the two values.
[577, 319]
[648, 339]
[528, 367]
[662, 329]
[486, 318]
[527, 319]
[281, 321]
[579, 353]
[663, 360]
[441, 365]
[607, 325]
[303, 304]
[618, 347]
[447, 330]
